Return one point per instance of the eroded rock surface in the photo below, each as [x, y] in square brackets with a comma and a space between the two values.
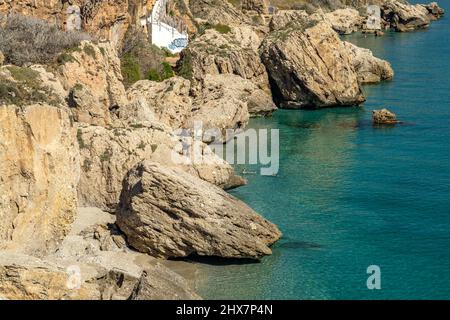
[108, 154]
[38, 176]
[370, 69]
[168, 213]
[311, 67]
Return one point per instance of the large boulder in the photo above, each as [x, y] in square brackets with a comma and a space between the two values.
[168, 102]
[39, 173]
[168, 213]
[434, 11]
[282, 18]
[403, 16]
[384, 116]
[92, 76]
[24, 277]
[108, 154]
[310, 67]
[370, 69]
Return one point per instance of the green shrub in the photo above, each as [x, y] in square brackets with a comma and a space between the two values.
[131, 71]
[184, 66]
[222, 28]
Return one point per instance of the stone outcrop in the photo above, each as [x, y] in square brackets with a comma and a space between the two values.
[370, 69]
[221, 101]
[405, 17]
[283, 18]
[434, 11]
[91, 73]
[85, 267]
[217, 12]
[384, 116]
[168, 213]
[345, 21]
[234, 52]
[258, 6]
[162, 285]
[24, 86]
[310, 67]
[168, 102]
[231, 87]
[108, 154]
[38, 176]
[2, 58]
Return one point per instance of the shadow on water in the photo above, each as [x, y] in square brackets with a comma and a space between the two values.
[216, 261]
[295, 244]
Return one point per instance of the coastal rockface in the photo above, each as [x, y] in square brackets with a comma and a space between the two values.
[101, 182]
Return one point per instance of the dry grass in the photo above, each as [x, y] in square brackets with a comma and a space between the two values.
[26, 39]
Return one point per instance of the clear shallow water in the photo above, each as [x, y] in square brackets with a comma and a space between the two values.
[349, 195]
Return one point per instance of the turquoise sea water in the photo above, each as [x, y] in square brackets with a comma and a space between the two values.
[349, 195]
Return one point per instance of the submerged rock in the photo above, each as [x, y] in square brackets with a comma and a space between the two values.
[310, 67]
[168, 213]
[384, 116]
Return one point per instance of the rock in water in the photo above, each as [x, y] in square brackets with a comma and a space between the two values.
[434, 11]
[405, 17]
[168, 213]
[310, 67]
[370, 69]
[384, 116]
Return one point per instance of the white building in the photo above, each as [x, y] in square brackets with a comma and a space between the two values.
[166, 32]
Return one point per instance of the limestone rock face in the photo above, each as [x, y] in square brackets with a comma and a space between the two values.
[92, 75]
[217, 12]
[107, 155]
[311, 67]
[370, 69]
[405, 17]
[345, 21]
[234, 88]
[384, 116]
[168, 102]
[93, 262]
[434, 11]
[230, 53]
[162, 285]
[2, 58]
[25, 277]
[25, 86]
[258, 6]
[168, 213]
[38, 176]
[282, 18]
